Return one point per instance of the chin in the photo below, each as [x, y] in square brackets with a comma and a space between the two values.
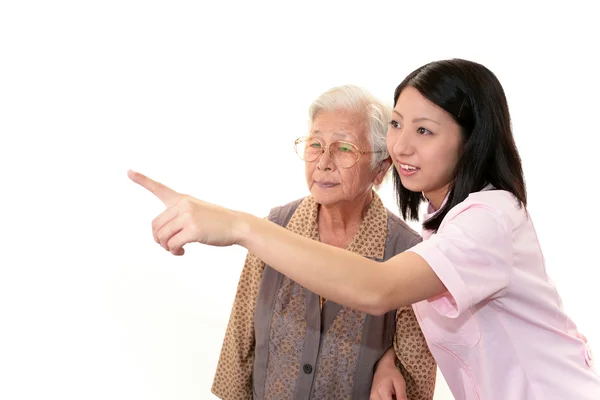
[325, 199]
[411, 185]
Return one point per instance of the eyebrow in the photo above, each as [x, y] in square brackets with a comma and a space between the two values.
[344, 135]
[418, 119]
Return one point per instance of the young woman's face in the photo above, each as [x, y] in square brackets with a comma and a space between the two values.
[425, 144]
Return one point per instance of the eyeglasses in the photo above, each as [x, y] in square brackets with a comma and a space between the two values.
[343, 154]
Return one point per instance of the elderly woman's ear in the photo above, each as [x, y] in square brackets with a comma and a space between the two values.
[382, 169]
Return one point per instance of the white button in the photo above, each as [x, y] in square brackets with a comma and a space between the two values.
[589, 359]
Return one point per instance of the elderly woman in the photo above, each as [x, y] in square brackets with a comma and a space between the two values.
[283, 341]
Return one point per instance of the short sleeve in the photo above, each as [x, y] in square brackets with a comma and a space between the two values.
[472, 254]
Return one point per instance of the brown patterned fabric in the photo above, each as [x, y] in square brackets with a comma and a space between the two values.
[233, 379]
[414, 359]
[288, 328]
[339, 356]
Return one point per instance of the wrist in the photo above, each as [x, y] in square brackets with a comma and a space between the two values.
[388, 360]
[242, 228]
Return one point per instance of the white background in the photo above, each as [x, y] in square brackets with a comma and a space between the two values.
[208, 97]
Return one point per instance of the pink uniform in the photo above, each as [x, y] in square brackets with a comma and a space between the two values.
[500, 332]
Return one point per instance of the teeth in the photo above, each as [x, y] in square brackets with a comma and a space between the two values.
[408, 167]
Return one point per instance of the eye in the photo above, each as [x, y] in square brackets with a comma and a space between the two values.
[314, 144]
[345, 147]
[424, 131]
[394, 124]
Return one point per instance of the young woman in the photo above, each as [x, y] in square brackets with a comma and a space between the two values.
[477, 283]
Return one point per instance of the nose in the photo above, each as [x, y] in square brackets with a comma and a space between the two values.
[399, 143]
[324, 162]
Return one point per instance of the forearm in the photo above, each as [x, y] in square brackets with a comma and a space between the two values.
[360, 283]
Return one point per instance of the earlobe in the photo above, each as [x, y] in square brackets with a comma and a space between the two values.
[382, 170]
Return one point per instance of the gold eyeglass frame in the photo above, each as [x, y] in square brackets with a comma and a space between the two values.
[328, 148]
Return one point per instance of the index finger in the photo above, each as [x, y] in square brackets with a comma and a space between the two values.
[167, 195]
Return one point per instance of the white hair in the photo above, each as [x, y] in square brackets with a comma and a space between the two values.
[376, 114]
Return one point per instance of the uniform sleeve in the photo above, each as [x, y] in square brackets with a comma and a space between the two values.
[472, 255]
[233, 378]
[415, 361]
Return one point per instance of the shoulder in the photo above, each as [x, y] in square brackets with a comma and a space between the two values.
[282, 214]
[398, 229]
[499, 200]
[480, 207]
[485, 216]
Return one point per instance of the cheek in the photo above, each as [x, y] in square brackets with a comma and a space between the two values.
[452, 157]
[443, 163]
[356, 179]
[309, 168]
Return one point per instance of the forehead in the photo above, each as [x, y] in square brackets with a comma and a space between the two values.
[339, 125]
[412, 104]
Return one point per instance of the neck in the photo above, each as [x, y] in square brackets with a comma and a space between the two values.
[436, 197]
[342, 220]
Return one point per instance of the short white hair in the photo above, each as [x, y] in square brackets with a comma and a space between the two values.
[354, 98]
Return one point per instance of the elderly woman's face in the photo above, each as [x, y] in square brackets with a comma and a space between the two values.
[328, 183]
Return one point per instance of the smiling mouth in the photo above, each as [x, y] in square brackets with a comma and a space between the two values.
[408, 167]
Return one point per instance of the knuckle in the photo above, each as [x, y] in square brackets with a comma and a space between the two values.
[161, 235]
[186, 201]
[190, 223]
[171, 245]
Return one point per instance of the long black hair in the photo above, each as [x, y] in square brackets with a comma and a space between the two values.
[474, 97]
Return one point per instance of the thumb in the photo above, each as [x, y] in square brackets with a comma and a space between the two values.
[165, 194]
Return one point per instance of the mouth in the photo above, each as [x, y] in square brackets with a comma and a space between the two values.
[326, 185]
[407, 169]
